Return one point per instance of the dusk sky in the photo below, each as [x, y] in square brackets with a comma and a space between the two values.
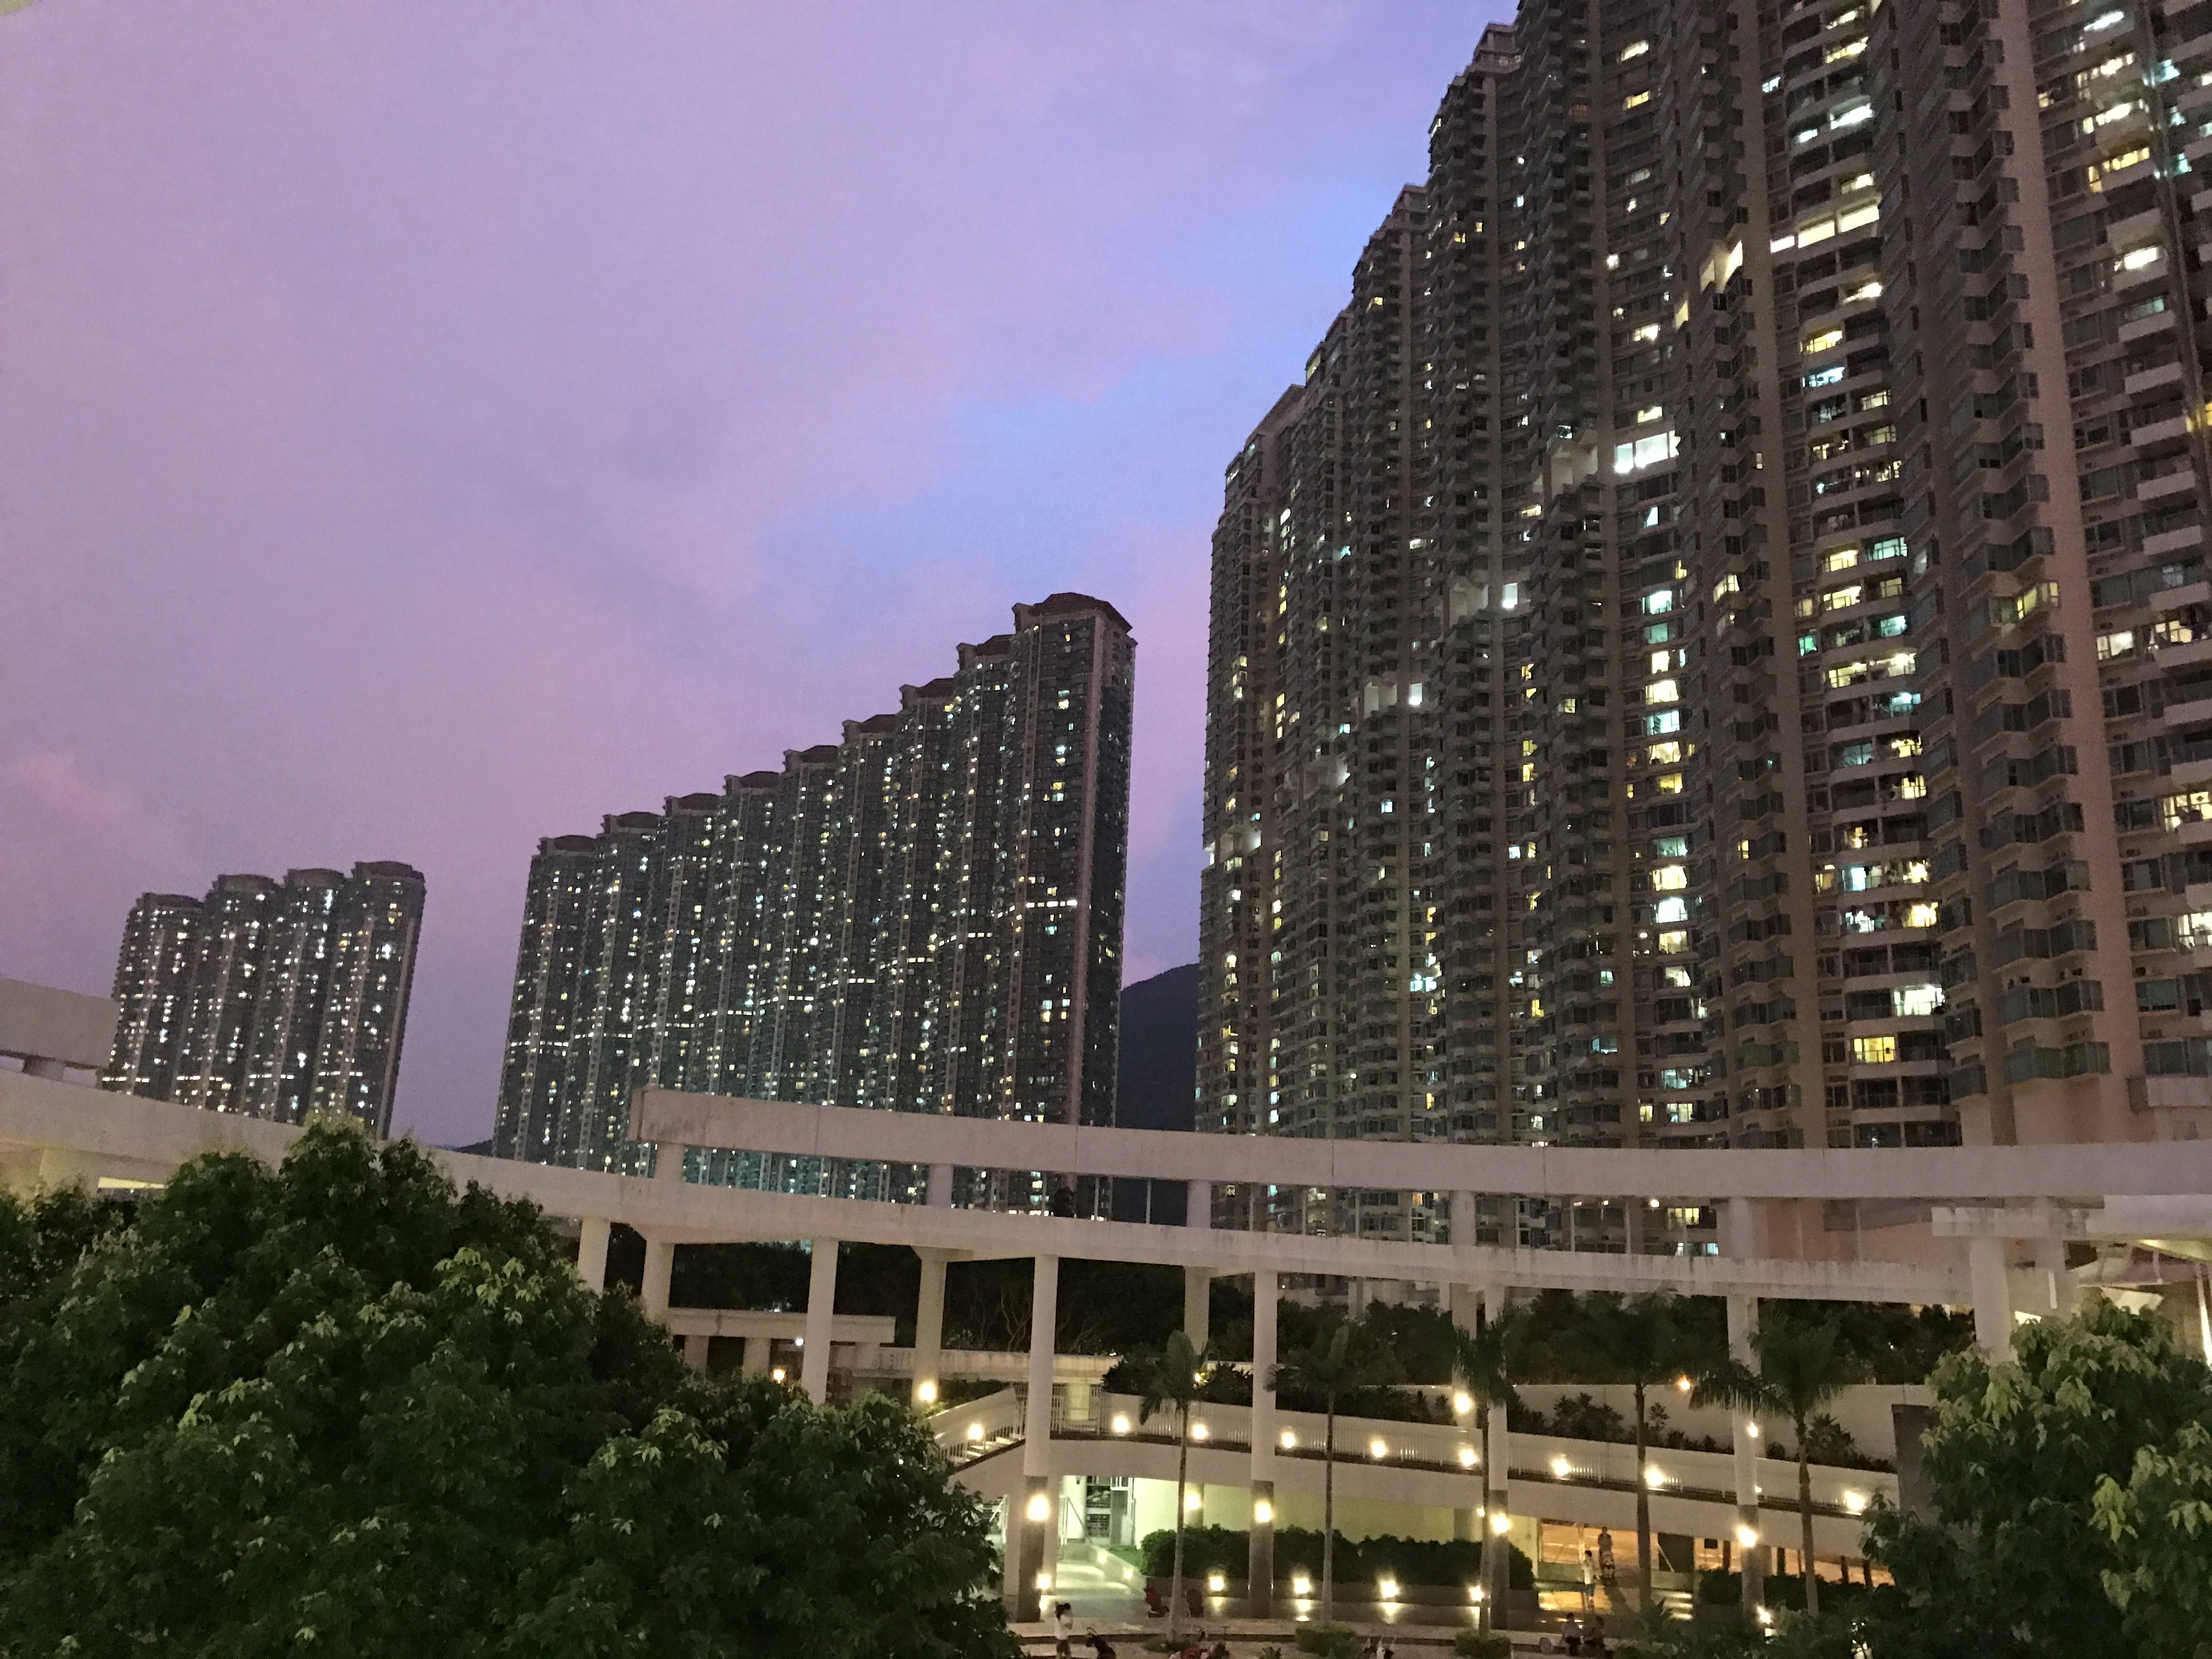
[427, 428]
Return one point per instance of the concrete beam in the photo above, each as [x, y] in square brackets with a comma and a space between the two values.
[1921, 1172]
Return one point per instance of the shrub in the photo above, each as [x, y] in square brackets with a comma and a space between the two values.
[1482, 1644]
[1328, 1641]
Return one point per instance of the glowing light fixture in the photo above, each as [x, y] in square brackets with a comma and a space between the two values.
[1216, 1582]
[1193, 1500]
[926, 1392]
[1376, 1448]
[1855, 1503]
[975, 1431]
[1301, 1585]
[1388, 1587]
[1120, 1423]
[1561, 1468]
[1462, 1402]
[1289, 1439]
[1198, 1430]
[1263, 1512]
[1500, 1522]
[1041, 1507]
[1747, 1536]
[1466, 1457]
[1654, 1478]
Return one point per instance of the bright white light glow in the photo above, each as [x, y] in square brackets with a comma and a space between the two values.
[1216, 1581]
[1198, 1430]
[1561, 1468]
[1263, 1513]
[1192, 1500]
[974, 1430]
[1501, 1524]
[1376, 1448]
[1747, 1536]
[1300, 1585]
[1041, 1507]
[924, 1391]
[1462, 1403]
[1855, 1503]
[1388, 1587]
[1654, 1478]
[1466, 1457]
[1120, 1423]
[1289, 1439]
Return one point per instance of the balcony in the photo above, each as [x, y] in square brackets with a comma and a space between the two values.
[2150, 379]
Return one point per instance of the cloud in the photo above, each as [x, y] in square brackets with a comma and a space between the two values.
[429, 428]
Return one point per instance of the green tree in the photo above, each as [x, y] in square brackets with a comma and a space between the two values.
[2013, 1562]
[1340, 1361]
[1172, 1380]
[339, 1408]
[1483, 1361]
[1638, 1340]
[1802, 1368]
[2160, 1525]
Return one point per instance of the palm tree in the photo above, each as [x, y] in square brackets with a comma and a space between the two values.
[1172, 1380]
[1485, 1359]
[1802, 1367]
[1638, 1339]
[1328, 1370]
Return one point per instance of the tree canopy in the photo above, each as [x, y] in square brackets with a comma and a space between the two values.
[338, 1408]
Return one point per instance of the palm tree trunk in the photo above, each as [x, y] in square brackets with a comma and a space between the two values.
[1805, 1526]
[1182, 1471]
[1643, 1512]
[1485, 1615]
[1329, 1518]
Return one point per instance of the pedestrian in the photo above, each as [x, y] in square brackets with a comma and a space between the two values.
[1608, 1574]
[1100, 1647]
[1063, 1629]
[1589, 1582]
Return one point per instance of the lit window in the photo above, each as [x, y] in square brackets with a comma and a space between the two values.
[1874, 1050]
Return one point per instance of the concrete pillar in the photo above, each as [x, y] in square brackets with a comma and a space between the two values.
[1197, 1306]
[1259, 1573]
[660, 1263]
[929, 1323]
[758, 1356]
[591, 1252]
[940, 1186]
[1463, 1304]
[1463, 1218]
[1633, 1212]
[820, 1308]
[1197, 1210]
[1033, 1526]
[694, 1352]
[668, 1160]
[1496, 1500]
[1985, 1270]
[1742, 1320]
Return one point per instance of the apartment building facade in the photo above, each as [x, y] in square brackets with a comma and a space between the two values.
[925, 916]
[271, 998]
[1745, 692]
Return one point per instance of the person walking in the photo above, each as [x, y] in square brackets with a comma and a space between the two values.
[1063, 1629]
[1608, 1574]
[1589, 1582]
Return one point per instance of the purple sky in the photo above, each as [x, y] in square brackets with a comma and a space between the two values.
[426, 428]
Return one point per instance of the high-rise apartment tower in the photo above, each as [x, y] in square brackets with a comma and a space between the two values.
[271, 998]
[925, 916]
[1706, 655]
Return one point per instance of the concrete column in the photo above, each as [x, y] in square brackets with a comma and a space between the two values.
[1266, 1295]
[820, 1308]
[940, 1186]
[1985, 1269]
[929, 1322]
[1632, 1213]
[668, 1160]
[1496, 1501]
[758, 1356]
[1463, 1218]
[1750, 1534]
[1033, 1524]
[1463, 1302]
[660, 1263]
[1197, 1306]
[1197, 1210]
[694, 1352]
[591, 1252]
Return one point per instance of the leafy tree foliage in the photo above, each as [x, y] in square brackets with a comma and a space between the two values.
[2014, 1563]
[2160, 1529]
[340, 1409]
